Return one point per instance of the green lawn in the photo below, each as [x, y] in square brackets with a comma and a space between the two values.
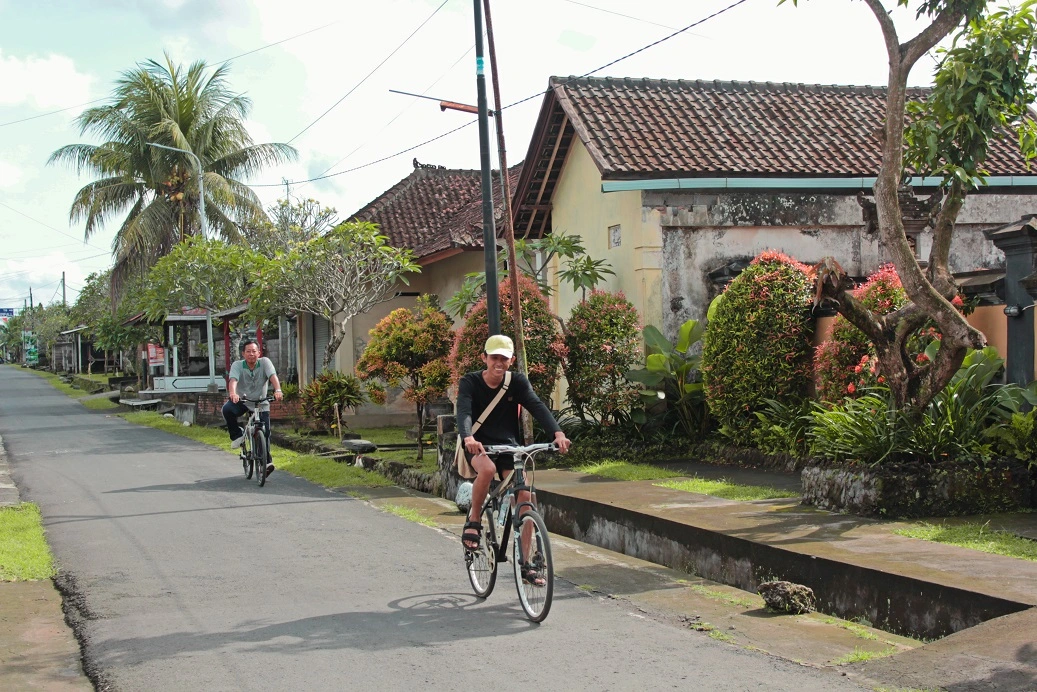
[976, 536]
[24, 554]
[316, 469]
[625, 471]
[726, 490]
[388, 435]
[100, 404]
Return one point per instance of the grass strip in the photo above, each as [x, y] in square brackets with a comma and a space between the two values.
[860, 655]
[316, 469]
[24, 553]
[726, 490]
[626, 471]
[410, 514]
[101, 404]
[975, 536]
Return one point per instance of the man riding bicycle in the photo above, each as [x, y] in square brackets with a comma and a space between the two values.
[248, 379]
[475, 391]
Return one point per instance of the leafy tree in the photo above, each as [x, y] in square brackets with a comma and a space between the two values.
[603, 343]
[545, 349]
[337, 276]
[328, 389]
[409, 349]
[983, 86]
[288, 225]
[199, 273]
[156, 190]
[106, 325]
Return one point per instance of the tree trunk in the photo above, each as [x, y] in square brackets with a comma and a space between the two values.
[421, 430]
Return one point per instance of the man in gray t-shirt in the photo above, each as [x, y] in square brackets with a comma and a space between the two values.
[249, 379]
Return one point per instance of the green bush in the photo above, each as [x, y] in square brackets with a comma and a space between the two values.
[290, 392]
[327, 389]
[602, 343]
[962, 423]
[545, 349]
[1018, 437]
[757, 346]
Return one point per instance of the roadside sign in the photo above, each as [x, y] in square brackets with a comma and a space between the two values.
[6, 312]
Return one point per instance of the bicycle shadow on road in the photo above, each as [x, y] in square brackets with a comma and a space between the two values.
[422, 620]
[278, 485]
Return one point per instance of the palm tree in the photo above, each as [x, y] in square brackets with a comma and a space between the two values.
[155, 188]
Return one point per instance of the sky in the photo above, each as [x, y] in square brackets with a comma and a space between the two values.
[320, 74]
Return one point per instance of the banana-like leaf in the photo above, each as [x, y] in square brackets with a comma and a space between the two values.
[657, 362]
[655, 341]
[690, 332]
[645, 377]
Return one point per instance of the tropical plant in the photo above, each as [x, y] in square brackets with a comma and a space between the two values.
[962, 423]
[290, 391]
[326, 390]
[603, 343]
[545, 349]
[339, 275]
[1017, 438]
[534, 257]
[758, 343]
[288, 225]
[192, 110]
[783, 428]
[671, 373]
[409, 349]
[984, 84]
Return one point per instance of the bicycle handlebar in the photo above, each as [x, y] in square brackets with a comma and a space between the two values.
[527, 449]
[257, 401]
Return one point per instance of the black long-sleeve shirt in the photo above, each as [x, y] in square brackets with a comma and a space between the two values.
[502, 425]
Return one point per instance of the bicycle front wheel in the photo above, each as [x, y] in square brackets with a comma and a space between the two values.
[246, 457]
[259, 456]
[482, 563]
[534, 569]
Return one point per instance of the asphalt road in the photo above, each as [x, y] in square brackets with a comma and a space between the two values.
[188, 577]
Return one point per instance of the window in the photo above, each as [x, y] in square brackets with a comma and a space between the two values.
[615, 236]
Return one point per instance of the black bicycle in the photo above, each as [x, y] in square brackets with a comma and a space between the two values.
[254, 452]
[531, 555]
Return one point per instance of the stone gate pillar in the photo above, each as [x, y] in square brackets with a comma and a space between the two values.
[1018, 241]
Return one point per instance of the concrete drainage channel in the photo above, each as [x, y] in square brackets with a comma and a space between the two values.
[894, 603]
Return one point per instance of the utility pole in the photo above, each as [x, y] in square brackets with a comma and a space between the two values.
[509, 229]
[489, 234]
[63, 303]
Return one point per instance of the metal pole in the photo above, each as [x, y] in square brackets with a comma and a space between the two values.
[201, 182]
[489, 234]
[63, 303]
[212, 388]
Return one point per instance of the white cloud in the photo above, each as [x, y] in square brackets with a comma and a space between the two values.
[9, 175]
[50, 82]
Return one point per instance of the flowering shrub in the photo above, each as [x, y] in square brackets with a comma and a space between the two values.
[545, 349]
[409, 349]
[757, 346]
[838, 362]
[603, 343]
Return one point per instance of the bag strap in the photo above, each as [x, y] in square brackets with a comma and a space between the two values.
[489, 409]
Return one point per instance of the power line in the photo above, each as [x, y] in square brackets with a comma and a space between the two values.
[511, 105]
[619, 14]
[376, 68]
[46, 225]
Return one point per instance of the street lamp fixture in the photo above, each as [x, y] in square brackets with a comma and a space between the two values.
[201, 181]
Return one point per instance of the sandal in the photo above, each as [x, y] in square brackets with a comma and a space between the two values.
[471, 535]
[531, 575]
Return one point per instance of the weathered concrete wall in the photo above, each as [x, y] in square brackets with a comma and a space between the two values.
[702, 232]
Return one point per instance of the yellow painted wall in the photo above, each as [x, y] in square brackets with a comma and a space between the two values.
[579, 207]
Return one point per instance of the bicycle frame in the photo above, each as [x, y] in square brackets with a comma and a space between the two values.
[512, 484]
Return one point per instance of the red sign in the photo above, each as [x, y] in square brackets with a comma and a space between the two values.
[156, 354]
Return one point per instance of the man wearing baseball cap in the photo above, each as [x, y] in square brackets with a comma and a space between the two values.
[475, 391]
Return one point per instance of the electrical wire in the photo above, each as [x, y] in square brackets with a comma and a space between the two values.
[46, 225]
[510, 105]
[376, 68]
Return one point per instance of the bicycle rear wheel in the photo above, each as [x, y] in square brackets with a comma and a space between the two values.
[536, 587]
[246, 456]
[482, 563]
[259, 456]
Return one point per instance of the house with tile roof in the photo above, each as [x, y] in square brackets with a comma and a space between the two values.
[437, 213]
[678, 184]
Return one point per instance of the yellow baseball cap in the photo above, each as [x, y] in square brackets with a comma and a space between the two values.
[499, 345]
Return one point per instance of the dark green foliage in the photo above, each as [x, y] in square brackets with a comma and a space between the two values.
[783, 429]
[758, 346]
[602, 343]
[328, 388]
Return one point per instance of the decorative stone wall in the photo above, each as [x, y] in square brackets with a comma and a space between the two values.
[917, 489]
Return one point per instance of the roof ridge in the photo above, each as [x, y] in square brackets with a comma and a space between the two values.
[728, 84]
